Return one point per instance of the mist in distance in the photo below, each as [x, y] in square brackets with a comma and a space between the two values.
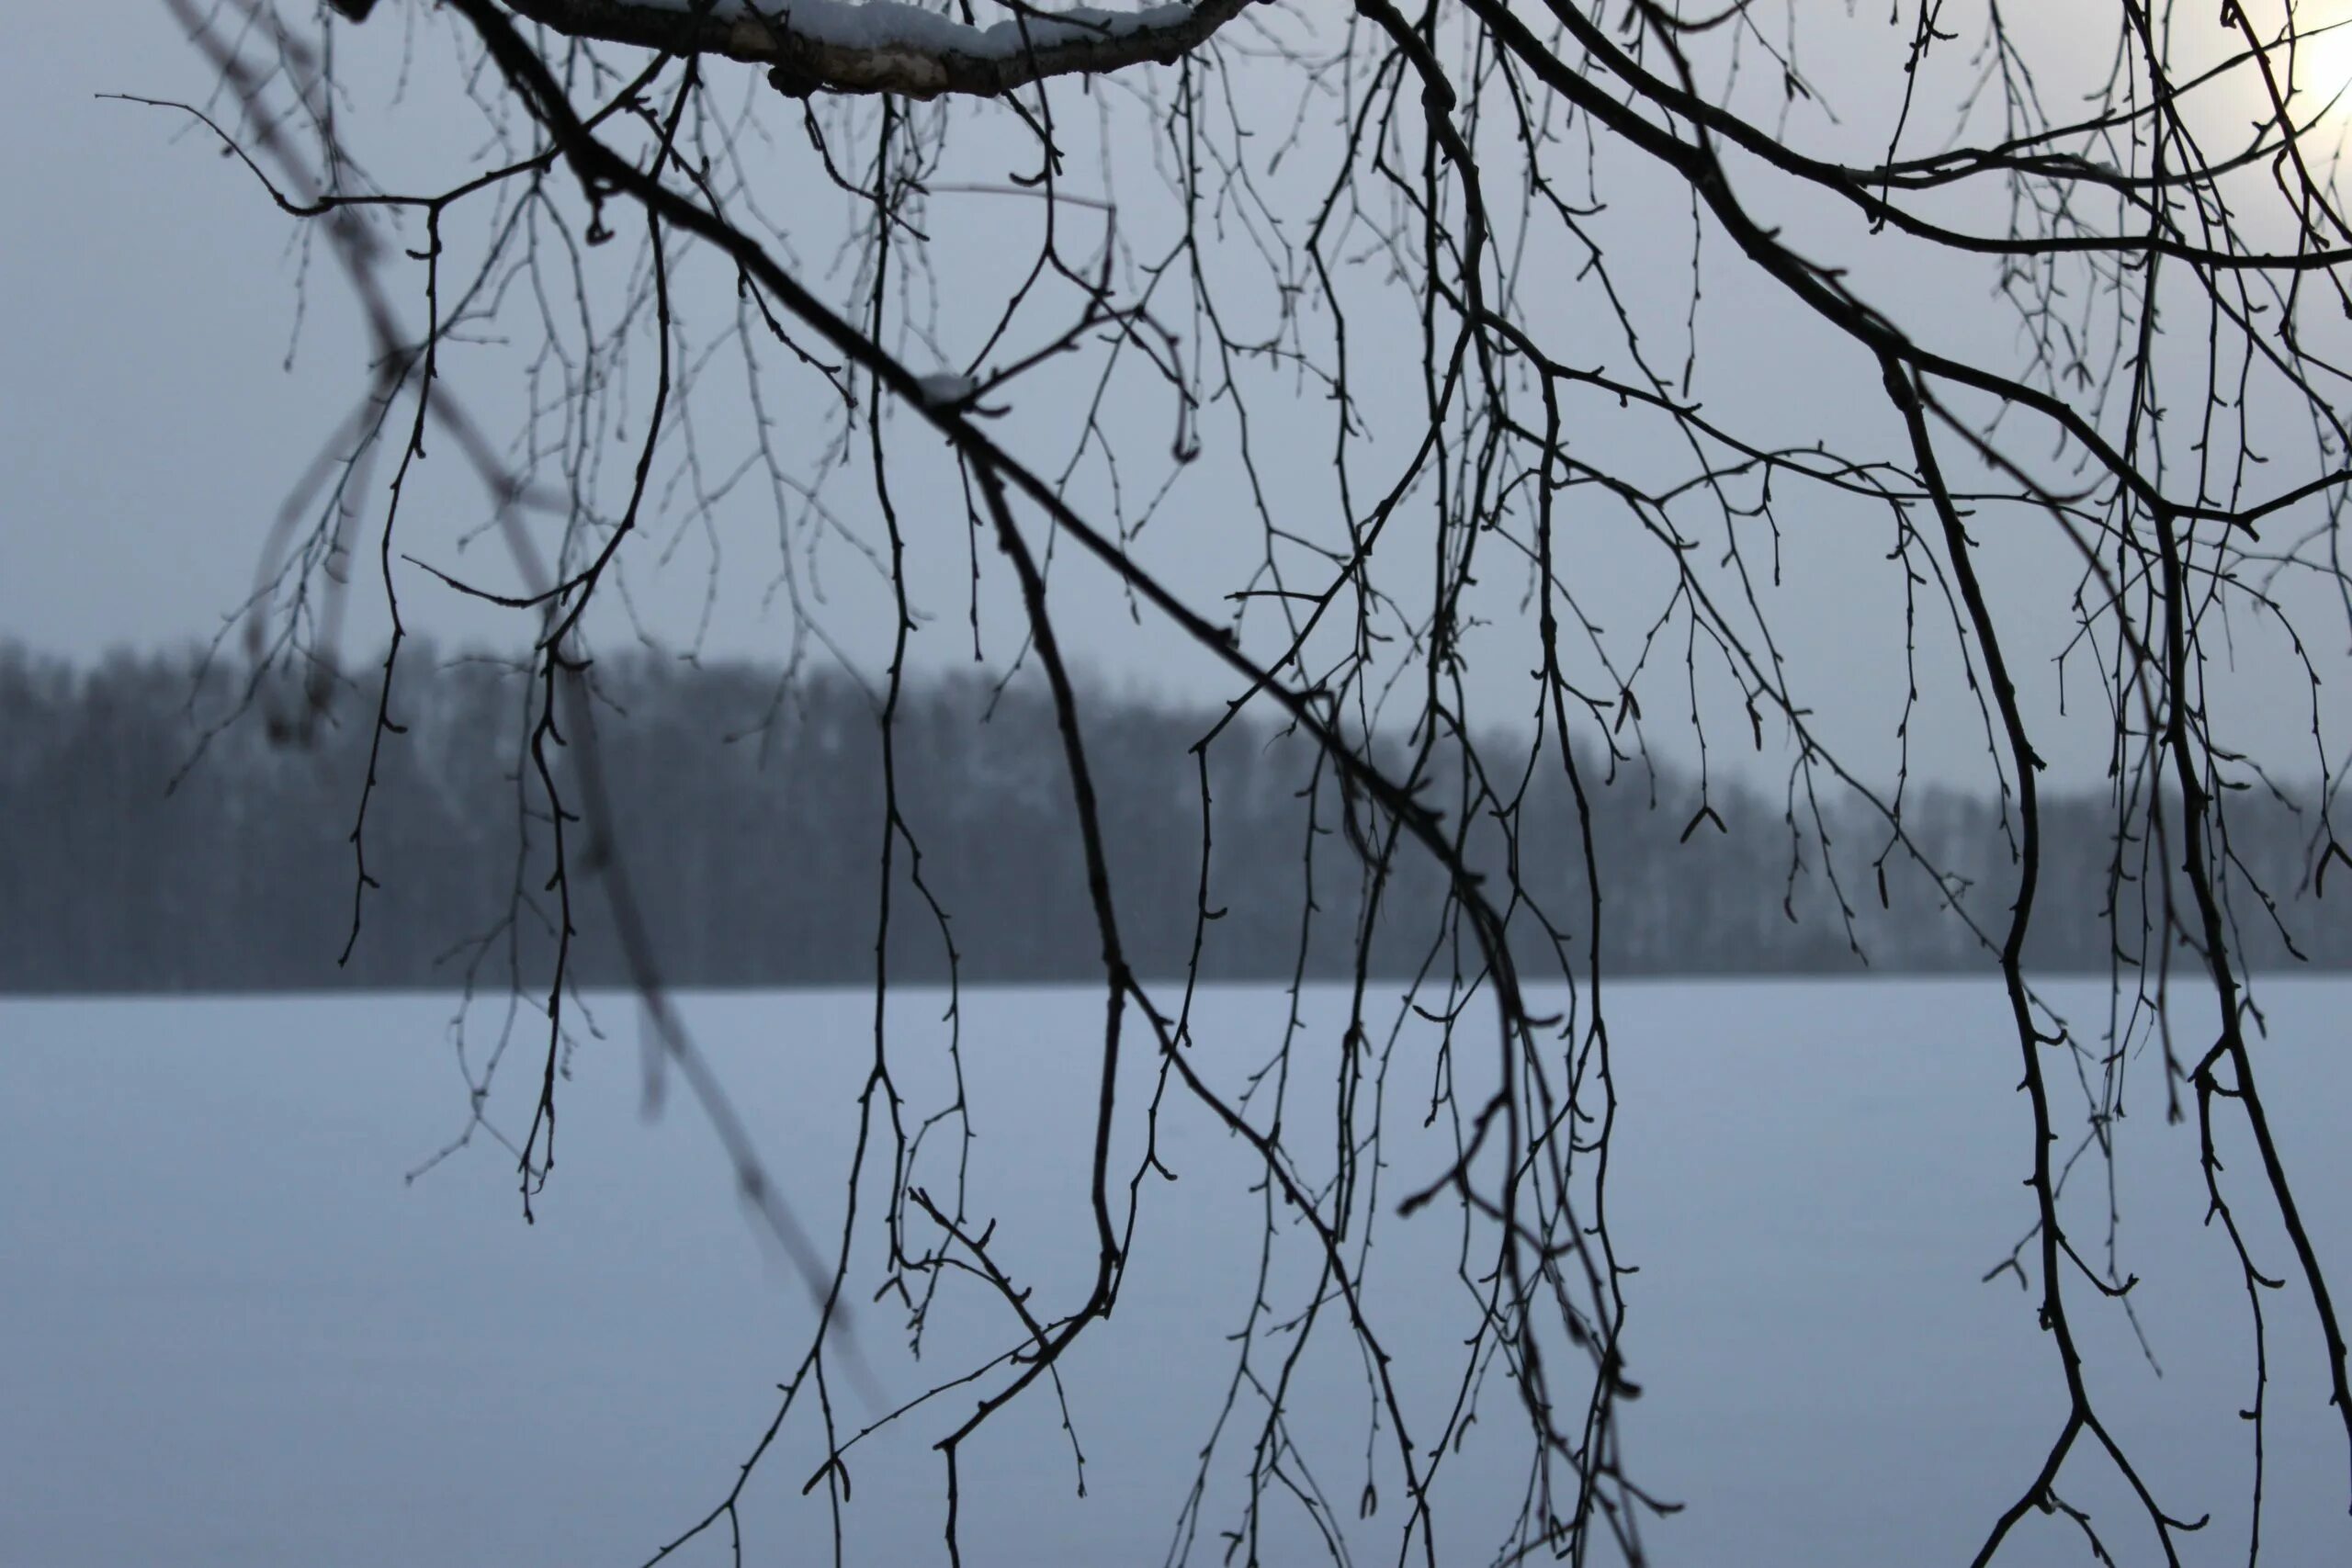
[195, 834]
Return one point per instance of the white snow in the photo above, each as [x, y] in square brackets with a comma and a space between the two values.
[217, 1283]
[896, 25]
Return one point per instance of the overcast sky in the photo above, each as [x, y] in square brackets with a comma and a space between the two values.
[156, 421]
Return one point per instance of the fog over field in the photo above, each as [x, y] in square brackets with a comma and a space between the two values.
[235, 1334]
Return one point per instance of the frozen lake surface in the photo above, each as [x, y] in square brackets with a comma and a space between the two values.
[231, 1334]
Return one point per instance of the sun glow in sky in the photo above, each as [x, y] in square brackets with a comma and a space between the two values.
[2322, 61]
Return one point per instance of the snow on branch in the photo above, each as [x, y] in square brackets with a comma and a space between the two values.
[892, 46]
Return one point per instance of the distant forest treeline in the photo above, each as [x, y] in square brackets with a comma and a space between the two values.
[752, 820]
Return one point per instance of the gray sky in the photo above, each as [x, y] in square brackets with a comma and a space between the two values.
[157, 420]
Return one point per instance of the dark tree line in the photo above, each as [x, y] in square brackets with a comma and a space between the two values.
[168, 833]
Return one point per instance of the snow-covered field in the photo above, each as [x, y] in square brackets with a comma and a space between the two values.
[231, 1334]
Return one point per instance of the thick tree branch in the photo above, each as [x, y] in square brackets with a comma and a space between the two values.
[887, 46]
